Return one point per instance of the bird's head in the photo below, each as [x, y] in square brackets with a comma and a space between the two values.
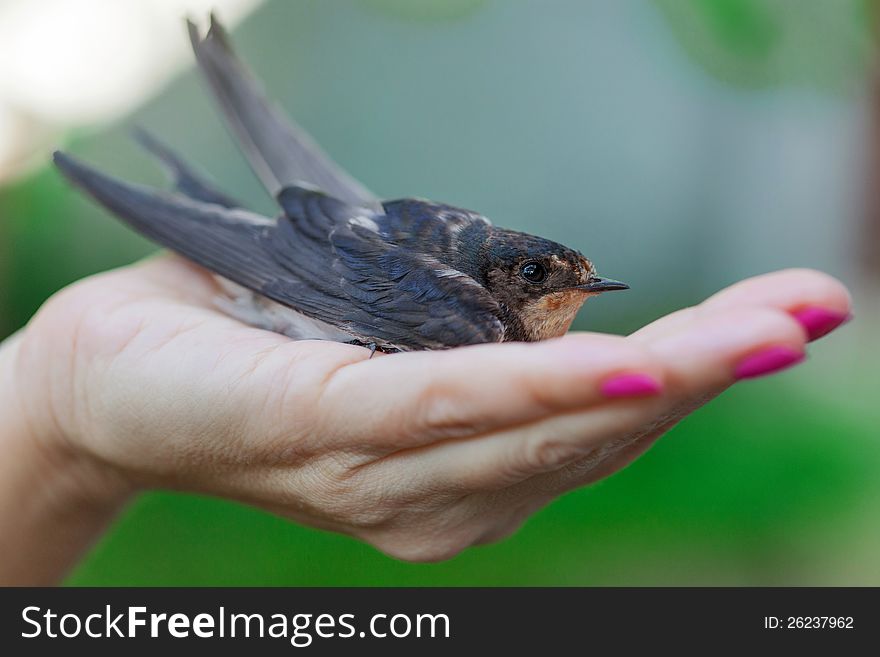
[540, 284]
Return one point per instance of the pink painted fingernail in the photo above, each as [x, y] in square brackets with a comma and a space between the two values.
[767, 361]
[820, 321]
[631, 385]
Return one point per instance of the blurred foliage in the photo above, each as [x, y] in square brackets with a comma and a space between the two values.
[53, 238]
[30, 215]
[759, 43]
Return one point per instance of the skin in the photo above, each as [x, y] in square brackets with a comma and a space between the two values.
[131, 380]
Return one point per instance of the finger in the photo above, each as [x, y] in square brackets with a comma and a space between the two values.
[819, 301]
[698, 361]
[788, 290]
[689, 382]
[413, 399]
[613, 456]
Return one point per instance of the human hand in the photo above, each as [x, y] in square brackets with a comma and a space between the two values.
[141, 383]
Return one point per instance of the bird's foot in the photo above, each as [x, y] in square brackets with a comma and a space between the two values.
[374, 347]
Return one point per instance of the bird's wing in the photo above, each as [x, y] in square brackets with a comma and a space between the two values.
[326, 260]
[225, 240]
[280, 152]
[435, 228]
[185, 179]
[404, 296]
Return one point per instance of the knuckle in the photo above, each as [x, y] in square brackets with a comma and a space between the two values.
[544, 397]
[543, 454]
[775, 324]
[438, 413]
[636, 357]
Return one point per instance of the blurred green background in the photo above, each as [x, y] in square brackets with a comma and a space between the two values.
[682, 144]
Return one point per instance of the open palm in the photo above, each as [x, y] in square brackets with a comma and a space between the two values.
[420, 454]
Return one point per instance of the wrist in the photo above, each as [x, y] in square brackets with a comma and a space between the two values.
[54, 498]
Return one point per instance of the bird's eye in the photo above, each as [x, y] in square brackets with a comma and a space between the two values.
[533, 272]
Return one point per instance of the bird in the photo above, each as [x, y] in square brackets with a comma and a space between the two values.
[337, 263]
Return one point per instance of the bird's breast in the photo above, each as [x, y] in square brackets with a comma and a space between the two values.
[551, 315]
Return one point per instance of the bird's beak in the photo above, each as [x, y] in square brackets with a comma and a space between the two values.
[598, 284]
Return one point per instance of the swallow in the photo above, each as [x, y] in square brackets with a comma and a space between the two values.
[338, 263]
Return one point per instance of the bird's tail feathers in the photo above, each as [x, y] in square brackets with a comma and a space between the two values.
[184, 177]
[280, 152]
[224, 240]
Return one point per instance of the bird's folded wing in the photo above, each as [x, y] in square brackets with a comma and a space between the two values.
[280, 152]
[404, 296]
[326, 260]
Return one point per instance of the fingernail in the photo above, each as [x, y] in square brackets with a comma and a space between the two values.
[631, 385]
[767, 361]
[820, 321]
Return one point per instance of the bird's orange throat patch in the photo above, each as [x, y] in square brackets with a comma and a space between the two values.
[552, 314]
